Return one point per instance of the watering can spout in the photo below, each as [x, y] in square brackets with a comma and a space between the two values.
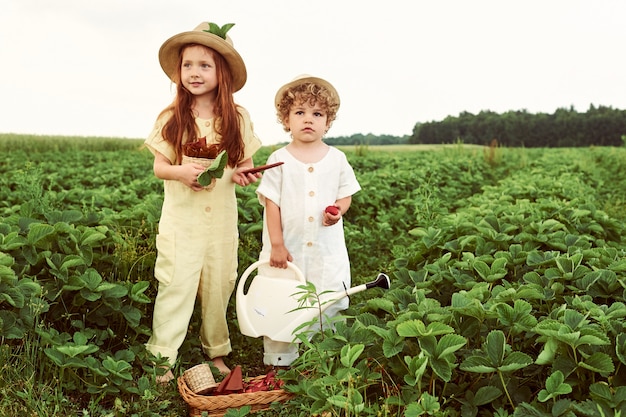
[381, 281]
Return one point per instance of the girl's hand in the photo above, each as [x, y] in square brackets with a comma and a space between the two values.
[331, 215]
[188, 175]
[239, 177]
[279, 257]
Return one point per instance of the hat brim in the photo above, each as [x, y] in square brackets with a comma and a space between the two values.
[303, 79]
[170, 50]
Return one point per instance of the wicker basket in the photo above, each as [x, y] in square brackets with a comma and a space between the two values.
[205, 163]
[200, 379]
[217, 405]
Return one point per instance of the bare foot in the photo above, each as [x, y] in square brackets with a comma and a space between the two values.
[220, 365]
[165, 378]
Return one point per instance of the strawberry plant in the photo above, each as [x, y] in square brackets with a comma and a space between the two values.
[507, 296]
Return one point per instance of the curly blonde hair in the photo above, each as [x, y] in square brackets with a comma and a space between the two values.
[311, 93]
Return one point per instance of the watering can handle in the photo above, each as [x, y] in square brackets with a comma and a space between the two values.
[291, 266]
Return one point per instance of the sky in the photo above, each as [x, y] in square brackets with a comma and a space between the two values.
[90, 68]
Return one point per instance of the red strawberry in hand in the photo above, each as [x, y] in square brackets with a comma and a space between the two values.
[332, 210]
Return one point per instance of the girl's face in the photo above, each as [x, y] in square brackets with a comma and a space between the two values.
[197, 70]
[306, 122]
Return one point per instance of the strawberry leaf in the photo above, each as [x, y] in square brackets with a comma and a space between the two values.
[215, 170]
[219, 31]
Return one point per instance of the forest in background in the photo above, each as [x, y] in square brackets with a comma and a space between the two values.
[598, 126]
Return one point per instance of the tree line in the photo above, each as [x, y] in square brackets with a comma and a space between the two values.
[369, 139]
[600, 126]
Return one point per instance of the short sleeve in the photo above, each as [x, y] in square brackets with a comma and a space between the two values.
[348, 184]
[251, 142]
[156, 143]
[270, 185]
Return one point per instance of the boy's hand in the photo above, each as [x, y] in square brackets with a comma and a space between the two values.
[280, 256]
[332, 214]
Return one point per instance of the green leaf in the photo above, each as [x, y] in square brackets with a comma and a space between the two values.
[593, 336]
[116, 292]
[417, 328]
[38, 231]
[118, 368]
[91, 237]
[477, 364]
[57, 357]
[12, 241]
[92, 279]
[383, 304]
[95, 366]
[89, 295]
[132, 315]
[75, 350]
[74, 283]
[495, 347]
[8, 326]
[71, 261]
[517, 316]
[555, 386]
[215, 29]
[515, 361]
[218, 165]
[547, 354]
[482, 268]
[137, 292]
[215, 170]
[598, 362]
[13, 297]
[442, 368]
[620, 347]
[486, 395]
[574, 319]
[450, 343]
[350, 354]
[417, 368]
[80, 338]
[340, 401]
[392, 347]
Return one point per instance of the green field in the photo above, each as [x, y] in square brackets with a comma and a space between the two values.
[508, 274]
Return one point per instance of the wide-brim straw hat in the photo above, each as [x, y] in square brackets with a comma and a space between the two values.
[169, 54]
[303, 79]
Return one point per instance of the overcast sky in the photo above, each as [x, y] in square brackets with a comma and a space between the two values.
[90, 67]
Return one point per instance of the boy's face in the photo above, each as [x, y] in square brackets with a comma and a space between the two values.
[306, 122]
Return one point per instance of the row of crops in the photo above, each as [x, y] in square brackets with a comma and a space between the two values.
[508, 283]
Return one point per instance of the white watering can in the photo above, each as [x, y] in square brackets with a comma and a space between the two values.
[271, 307]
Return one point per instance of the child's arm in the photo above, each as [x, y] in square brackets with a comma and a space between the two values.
[279, 254]
[343, 204]
[186, 173]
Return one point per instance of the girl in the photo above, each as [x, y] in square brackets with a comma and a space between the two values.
[297, 228]
[198, 235]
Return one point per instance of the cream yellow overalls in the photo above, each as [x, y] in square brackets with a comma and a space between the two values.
[196, 252]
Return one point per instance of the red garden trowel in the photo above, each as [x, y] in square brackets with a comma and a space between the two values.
[270, 306]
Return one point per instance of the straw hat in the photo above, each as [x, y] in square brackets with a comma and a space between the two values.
[203, 34]
[302, 79]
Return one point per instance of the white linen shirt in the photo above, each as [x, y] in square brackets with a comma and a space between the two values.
[303, 191]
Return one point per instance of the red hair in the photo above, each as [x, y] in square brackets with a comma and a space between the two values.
[182, 123]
